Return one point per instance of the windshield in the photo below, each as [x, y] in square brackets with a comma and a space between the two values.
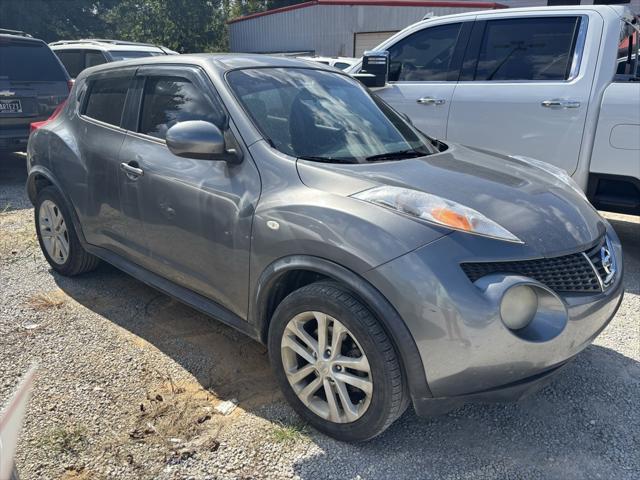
[130, 54]
[324, 116]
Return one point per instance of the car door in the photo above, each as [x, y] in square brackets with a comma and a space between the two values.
[196, 214]
[424, 69]
[100, 136]
[525, 85]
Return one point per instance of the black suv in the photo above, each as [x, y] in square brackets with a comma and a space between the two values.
[33, 83]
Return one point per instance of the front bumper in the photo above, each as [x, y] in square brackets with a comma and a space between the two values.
[467, 352]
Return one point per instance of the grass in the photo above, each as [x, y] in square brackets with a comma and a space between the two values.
[284, 433]
[47, 301]
[67, 439]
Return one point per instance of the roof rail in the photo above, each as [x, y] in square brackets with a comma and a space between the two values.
[14, 32]
[101, 40]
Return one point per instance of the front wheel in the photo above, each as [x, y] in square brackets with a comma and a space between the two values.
[335, 363]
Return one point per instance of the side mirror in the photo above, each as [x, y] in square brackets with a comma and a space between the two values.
[200, 140]
[375, 69]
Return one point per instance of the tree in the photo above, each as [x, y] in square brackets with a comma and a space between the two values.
[182, 25]
[55, 19]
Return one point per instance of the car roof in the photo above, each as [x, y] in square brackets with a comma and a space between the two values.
[21, 38]
[604, 10]
[105, 45]
[219, 62]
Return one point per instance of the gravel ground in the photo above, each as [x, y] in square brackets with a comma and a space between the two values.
[129, 381]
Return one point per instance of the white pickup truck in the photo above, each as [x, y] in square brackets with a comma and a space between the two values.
[559, 84]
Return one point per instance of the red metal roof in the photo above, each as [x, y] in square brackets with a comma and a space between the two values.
[377, 3]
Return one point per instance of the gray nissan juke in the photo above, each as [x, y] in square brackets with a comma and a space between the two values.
[380, 266]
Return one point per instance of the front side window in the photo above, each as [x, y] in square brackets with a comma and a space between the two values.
[106, 99]
[527, 49]
[324, 116]
[169, 100]
[425, 55]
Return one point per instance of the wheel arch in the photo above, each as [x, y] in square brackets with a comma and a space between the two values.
[290, 273]
[40, 177]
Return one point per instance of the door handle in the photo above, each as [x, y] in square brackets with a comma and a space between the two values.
[132, 170]
[560, 103]
[431, 101]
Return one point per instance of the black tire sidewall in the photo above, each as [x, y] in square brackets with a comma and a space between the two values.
[377, 417]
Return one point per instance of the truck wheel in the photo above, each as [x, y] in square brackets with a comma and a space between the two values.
[57, 236]
[335, 364]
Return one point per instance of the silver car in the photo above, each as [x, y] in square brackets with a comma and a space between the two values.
[380, 266]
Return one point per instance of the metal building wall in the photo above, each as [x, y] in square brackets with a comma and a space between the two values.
[326, 30]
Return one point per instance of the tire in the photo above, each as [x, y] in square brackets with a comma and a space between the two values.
[50, 203]
[368, 414]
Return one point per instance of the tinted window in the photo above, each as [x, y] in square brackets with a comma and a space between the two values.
[94, 58]
[106, 99]
[130, 54]
[424, 56]
[627, 51]
[324, 116]
[29, 61]
[527, 49]
[73, 61]
[341, 65]
[169, 100]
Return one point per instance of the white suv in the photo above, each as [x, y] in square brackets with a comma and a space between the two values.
[76, 55]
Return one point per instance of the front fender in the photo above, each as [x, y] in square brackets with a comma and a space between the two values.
[386, 314]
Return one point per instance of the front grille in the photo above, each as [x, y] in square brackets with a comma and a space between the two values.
[568, 273]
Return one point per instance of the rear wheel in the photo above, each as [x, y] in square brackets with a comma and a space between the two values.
[57, 236]
[335, 364]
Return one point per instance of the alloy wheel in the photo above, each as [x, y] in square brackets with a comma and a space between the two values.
[326, 367]
[53, 231]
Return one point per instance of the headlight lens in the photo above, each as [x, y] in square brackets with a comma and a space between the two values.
[557, 172]
[435, 209]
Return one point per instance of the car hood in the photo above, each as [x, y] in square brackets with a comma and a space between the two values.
[542, 211]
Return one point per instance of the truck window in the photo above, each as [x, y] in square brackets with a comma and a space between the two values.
[527, 49]
[425, 55]
[627, 51]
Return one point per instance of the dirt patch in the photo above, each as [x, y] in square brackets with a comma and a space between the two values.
[18, 240]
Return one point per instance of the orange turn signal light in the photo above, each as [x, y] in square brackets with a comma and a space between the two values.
[452, 219]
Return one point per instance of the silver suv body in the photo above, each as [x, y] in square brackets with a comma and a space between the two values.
[379, 265]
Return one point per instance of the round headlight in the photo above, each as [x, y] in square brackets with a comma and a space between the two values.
[518, 307]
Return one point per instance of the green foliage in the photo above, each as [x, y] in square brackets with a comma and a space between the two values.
[186, 26]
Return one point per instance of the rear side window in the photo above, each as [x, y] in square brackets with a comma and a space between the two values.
[29, 61]
[527, 49]
[169, 100]
[73, 61]
[106, 99]
[628, 49]
[425, 55]
[94, 58]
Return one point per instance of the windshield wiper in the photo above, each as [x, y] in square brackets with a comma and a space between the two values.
[327, 159]
[396, 155]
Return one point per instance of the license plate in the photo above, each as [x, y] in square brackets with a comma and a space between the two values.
[10, 106]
